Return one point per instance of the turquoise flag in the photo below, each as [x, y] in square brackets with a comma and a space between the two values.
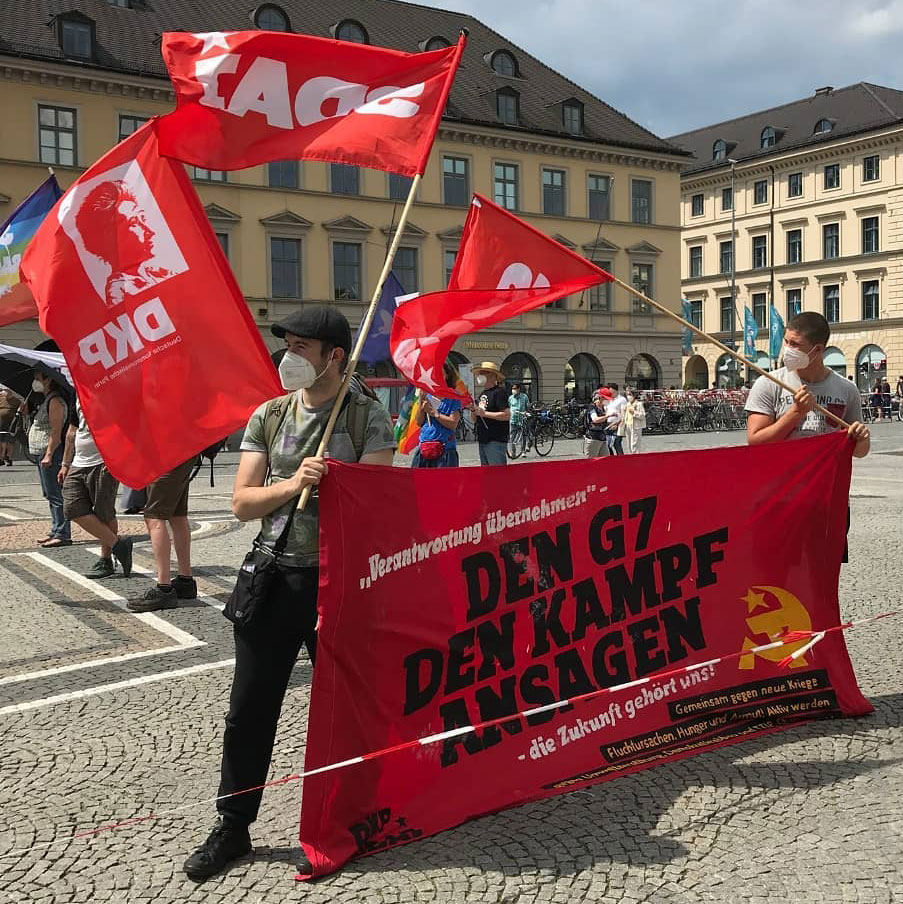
[687, 339]
[750, 333]
[776, 334]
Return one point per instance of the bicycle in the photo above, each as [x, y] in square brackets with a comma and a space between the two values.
[535, 431]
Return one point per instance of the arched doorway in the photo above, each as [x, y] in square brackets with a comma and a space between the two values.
[727, 372]
[457, 359]
[521, 368]
[643, 372]
[871, 365]
[835, 359]
[696, 373]
[582, 374]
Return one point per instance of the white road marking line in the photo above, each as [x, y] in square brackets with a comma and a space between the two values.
[114, 686]
[151, 620]
[10, 516]
[93, 663]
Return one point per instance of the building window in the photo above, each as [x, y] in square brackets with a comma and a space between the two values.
[759, 252]
[760, 192]
[346, 270]
[405, 268]
[600, 296]
[831, 295]
[768, 138]
[57, 135]
[871, 168]
[719, 150]
[223, 239]
[759, 309]
[507, 106]
[599, 197]
[271, 18]
[352, 31]
[282, 174]
[399, 186]
[795, 246]
[641, 200]
[870, 244]
[726, 257]
[553, 192]
[285, 267]
[830, 240]
[437, 42]
[504, 63]
[697, 203]
[822, 127]
[506, 185]
[870, 300]
[642, 275]
[695, 261]
[128, 125]
[727, 315]
[696, 313]
[76, 38]
[200, 174]
[794, 302]
[572, 118]
[122, 4]
[448, 259]
[832, 175]
[345, 179]
[455, 181]
[795, 185]
[727, 199]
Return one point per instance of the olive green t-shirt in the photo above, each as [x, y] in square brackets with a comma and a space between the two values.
[297, 438]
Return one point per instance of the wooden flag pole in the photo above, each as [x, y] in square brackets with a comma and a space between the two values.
[363, 332]
[660, 307]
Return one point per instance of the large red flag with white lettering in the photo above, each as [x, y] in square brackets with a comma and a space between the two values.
[133, 286]
[504, 268]
[248, 97]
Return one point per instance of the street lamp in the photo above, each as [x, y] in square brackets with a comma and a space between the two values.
[732, 365]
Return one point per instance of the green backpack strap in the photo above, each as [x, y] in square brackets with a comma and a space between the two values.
[273, 417]
[356, 420]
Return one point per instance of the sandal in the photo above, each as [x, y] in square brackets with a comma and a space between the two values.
[44, 540]
[56, 543]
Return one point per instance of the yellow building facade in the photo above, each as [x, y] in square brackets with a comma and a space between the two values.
[310, 232]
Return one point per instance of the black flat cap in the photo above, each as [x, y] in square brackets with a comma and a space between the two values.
[317, 321]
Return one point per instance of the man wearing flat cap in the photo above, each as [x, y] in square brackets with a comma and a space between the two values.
[278, 460]
[491, 414]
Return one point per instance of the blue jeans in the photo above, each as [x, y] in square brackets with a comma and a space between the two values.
[448, 459]
[53, 493]
[493, 453]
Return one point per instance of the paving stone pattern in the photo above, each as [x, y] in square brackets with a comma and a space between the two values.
[814, 814]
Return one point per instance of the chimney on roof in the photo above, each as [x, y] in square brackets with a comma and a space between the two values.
[821, 92]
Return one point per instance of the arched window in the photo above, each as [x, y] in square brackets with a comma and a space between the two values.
[696, 373]
[719, 150]
[643, 372]
[822, 127]
[871, 365]
[727, 372]
[269, 17]
[834, 358]
[767, 138]
[349, 30]
[456, 359]
[582, 374]
[437, 42]
[522, 368]
[503, 63]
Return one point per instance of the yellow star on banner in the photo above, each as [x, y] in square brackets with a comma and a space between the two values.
[754, 600]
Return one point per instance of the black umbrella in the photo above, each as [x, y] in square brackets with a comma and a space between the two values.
[17, 367]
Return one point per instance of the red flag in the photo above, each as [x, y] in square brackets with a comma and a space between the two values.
[248, 97]
[133, 286]
[17, 304]
[504, 268]
[551, 581]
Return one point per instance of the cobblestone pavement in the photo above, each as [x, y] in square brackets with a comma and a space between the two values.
[106, 715]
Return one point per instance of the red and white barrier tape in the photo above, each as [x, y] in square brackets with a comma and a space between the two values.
[789, 638]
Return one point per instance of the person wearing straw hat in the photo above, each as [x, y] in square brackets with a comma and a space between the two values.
[491, 414]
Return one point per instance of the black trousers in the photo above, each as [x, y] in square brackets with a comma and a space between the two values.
[265, 653]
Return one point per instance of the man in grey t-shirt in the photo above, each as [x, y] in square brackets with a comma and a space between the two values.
[775, 414]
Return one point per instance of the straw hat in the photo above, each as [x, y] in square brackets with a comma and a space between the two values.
[489, 367]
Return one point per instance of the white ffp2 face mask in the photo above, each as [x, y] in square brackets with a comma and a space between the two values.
[37, 386]
[296, 372]
[480, 380]
[794, 359]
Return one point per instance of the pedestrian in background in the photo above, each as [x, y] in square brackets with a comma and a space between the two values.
[438, 421]
[9, 405]
[634, 421]
[491, 414]
[595, 442]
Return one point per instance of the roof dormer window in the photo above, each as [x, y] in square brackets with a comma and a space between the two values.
[75, 34]
[572, 117]
[507, 106]
[269, 17]
[349, 30]
[437, 42]
[822, 127]
[768, 138]
[503, 63]
[719, 150]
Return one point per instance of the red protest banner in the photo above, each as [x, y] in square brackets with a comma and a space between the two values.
[133, 286]
[248, 97]
[491, 592]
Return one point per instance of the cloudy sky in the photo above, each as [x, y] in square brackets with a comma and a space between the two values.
[676, 65]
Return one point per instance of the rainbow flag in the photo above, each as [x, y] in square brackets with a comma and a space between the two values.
[407, 433]
[16, 302]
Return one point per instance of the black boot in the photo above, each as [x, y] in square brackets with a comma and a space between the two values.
[227, 842]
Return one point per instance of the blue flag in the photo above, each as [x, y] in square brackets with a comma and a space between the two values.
[376, 346]
[687, 339]
[776, 334]
[750, 333]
